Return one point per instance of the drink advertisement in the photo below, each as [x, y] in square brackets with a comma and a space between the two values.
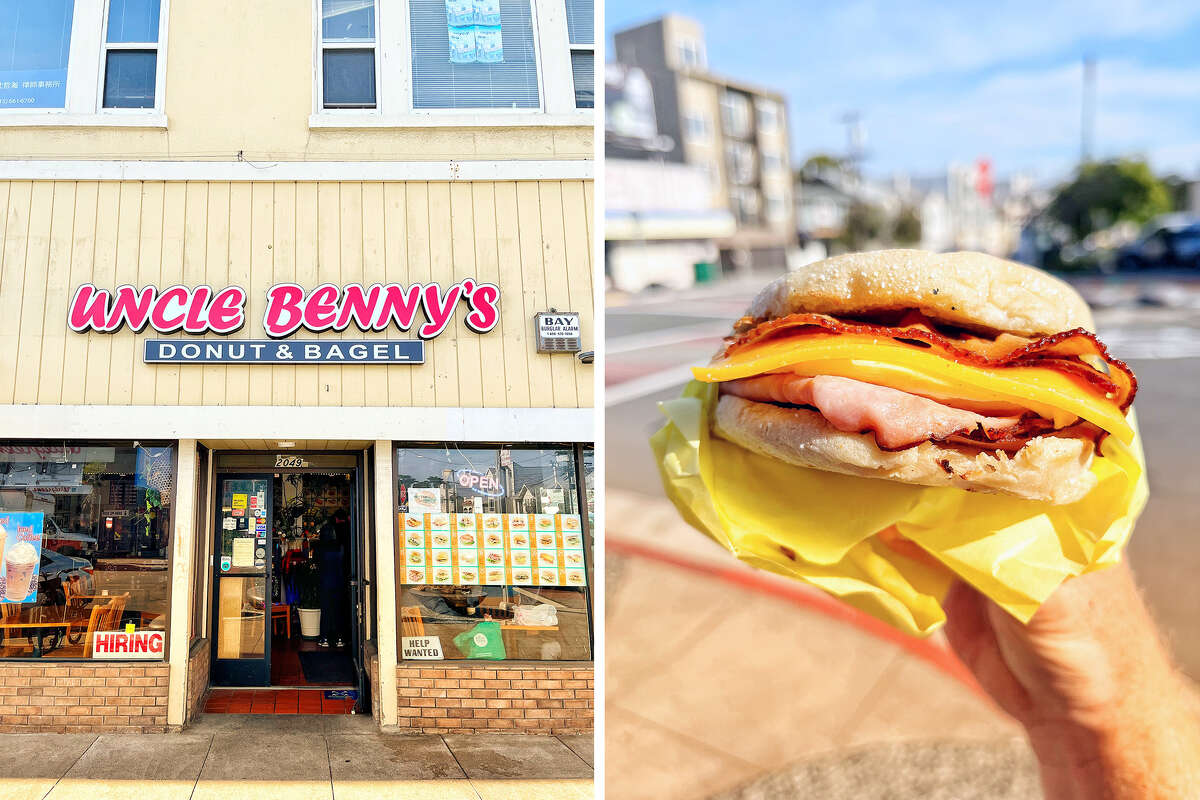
[20, 555]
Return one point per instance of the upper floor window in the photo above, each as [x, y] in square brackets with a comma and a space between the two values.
[768, 116]
[735, 114]
[473, 54]
[581, 33]
[691, 53]
[131, 53]
[348, 54]
[93, 59]
[739, 157]
[35, 43]
[697, 127]
[395, 61]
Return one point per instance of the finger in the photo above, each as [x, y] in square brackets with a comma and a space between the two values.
[972, 638]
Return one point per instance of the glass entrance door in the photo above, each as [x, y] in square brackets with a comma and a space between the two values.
[242, 581]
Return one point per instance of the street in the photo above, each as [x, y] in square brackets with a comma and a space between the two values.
[1152, 323]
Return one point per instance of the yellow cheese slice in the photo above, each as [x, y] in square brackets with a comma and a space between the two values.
[885, 362]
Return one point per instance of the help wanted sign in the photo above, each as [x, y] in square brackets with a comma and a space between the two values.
[427, 648]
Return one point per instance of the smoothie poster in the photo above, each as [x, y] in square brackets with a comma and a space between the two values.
[20, 556]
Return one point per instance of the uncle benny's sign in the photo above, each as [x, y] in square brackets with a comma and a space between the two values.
[426, 307]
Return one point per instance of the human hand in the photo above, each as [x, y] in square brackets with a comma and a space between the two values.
[1092, 684]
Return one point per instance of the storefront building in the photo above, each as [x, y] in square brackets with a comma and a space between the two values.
[295, 382]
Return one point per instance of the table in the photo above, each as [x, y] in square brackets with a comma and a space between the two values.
[43, 617]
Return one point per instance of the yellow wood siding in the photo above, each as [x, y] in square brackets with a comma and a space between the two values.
[531, 238]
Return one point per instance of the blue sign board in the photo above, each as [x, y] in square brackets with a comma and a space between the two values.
[270, 351]
[33, 88]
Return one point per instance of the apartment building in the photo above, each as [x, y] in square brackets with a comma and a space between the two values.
[734, 131]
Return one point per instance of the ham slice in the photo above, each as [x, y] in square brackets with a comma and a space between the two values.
[898, 419]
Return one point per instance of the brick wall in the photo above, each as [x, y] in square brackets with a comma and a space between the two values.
[82, 698]
[495, 698]
[197, 677]
[373, 678]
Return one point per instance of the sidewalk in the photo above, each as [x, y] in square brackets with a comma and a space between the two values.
[729, 675]
[297, 758]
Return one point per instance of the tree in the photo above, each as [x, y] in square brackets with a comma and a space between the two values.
[822, 161]
[865, 223]
[1106, 192]
[906, 229]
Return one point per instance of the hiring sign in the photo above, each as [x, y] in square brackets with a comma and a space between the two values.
[128, 645]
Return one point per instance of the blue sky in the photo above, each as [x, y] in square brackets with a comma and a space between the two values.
[941, 82]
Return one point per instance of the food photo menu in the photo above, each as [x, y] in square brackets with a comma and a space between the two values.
[493, 549]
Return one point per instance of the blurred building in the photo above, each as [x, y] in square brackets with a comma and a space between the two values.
[661, 220]
[735, 133]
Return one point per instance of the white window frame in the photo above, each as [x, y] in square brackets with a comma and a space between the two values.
[85, 77]
[775, 110]
[694, 47]
[582, 47]
[319, 62]
[737, 114]
[160, 63]
[394, 86]
[706, 122]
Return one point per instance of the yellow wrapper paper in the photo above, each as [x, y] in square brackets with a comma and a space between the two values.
[1014, 551]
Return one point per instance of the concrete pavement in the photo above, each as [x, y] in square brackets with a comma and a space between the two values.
[726, 681]
[296, 757]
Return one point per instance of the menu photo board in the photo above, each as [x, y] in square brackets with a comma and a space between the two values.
[492, 549]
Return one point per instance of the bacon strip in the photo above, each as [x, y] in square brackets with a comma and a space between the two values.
[896, 418]
[1060, 351]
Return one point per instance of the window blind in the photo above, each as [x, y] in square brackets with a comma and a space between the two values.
[438, 83]
[581, 27]
[583, 73]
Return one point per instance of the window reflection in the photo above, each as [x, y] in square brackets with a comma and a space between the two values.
[492, 551]
[103, 511]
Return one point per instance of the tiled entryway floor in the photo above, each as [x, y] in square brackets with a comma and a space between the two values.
[276, 701]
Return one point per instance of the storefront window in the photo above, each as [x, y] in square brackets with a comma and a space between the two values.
[494, 553]
[85, 537]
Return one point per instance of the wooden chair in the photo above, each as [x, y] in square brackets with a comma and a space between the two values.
[75, 606]
[7, 612]
[411, 623]
[95, 622]
[281, 611]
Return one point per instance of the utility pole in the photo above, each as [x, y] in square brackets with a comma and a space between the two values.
[1087, 116]
[854, 139]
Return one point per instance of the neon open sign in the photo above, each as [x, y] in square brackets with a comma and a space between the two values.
[484, 483]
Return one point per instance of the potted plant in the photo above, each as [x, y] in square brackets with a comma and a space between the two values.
[308, 582]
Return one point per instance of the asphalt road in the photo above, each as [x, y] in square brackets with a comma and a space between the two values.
[1152, 324]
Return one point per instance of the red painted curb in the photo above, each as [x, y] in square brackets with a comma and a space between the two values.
[938, 657]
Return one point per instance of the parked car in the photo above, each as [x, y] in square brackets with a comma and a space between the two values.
[57, 565]
[1165, 247]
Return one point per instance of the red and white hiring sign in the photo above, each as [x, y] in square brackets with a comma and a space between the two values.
[123, 645]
